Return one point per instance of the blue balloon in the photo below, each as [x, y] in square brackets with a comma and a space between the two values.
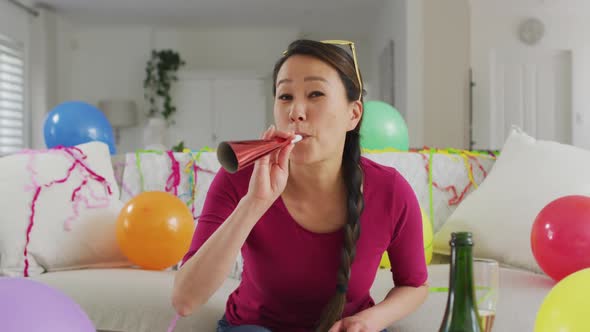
[76, 122]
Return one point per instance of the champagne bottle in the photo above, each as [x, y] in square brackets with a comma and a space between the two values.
[461, 313]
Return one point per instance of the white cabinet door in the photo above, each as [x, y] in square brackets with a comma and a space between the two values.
[529, 89]
[239, 107]
[211, 110]
[194, 116]
[532, 91]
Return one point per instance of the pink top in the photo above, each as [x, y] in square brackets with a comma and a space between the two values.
[290, 273]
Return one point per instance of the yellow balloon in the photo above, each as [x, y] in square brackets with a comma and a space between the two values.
[566, 307]
[428, 236]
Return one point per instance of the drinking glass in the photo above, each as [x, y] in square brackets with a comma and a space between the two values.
[486, 277]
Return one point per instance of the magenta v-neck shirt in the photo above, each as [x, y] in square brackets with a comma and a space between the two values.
[290, 272]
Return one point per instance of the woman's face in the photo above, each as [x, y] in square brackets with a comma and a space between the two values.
[311, 101]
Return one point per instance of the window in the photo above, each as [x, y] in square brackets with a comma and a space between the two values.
[12, 96]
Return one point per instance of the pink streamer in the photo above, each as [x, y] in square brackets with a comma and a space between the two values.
[29, 229]
[173, 323]
[34, 185]
[78, 189]
[75, 206]
[95, 196]
[193, 194]
[77, 199]
[95, 176]
[76, 196]
[196, 169]
[457, 197]
[174, 179]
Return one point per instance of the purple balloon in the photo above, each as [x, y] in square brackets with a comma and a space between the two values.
[27, 305]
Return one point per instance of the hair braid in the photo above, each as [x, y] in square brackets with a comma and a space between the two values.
[353, 178]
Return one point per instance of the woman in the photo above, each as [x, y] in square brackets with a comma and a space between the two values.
[312, 220]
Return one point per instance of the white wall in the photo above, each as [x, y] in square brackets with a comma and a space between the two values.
[401, 21]
[14, 22]
[415, 71]
[105, 63]
[391, 25]
[431, 41]
[253, 49]
[446, 73]
[494, 26]
[44, 71]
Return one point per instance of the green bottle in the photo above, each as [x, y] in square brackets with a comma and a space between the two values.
[461, 313]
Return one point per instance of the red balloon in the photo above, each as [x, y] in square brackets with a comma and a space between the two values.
[560, 237]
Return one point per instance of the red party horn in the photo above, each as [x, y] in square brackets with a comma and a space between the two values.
[236, 155]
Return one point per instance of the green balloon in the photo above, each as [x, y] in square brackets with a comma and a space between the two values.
[383, 127]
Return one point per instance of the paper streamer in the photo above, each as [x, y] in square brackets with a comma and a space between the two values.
[77, 199]
[469, 169]
[138, 165]
[456, 196]
[172, 325]
[29, 229]
[492, 154]
[193, 170]
[174, 179]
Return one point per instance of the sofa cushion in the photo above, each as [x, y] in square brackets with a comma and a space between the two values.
[134, 300]
[59, 205]
[528, 175]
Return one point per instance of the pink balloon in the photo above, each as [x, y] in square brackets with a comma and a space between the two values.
[560, 237]
[27, 305]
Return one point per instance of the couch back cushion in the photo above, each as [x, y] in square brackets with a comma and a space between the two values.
[59, 209]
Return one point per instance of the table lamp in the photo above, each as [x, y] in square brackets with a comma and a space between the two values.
[120, 113]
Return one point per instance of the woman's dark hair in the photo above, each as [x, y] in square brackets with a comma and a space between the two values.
[340, 60]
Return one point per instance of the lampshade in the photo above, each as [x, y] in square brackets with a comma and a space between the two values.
[120, 113]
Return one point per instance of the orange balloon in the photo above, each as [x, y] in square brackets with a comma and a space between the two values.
[155, 229]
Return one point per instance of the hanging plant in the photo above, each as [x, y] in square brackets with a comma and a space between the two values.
[160, 74]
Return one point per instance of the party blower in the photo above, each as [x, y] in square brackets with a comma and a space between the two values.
[236, 155]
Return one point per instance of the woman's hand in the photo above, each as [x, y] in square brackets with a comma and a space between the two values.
[351, 324]
[270, 174]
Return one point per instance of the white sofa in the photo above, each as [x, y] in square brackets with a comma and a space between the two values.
[134, 300]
